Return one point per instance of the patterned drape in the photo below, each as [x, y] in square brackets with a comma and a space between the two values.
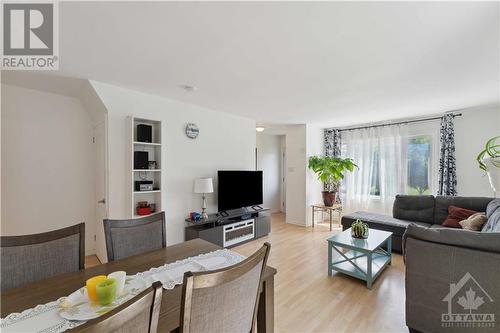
[447, 165]
[332, 142]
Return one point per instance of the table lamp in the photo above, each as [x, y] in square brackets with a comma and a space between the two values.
[203, 186]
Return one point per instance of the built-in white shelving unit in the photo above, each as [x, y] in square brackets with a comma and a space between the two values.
[147, 143]
[154, 150]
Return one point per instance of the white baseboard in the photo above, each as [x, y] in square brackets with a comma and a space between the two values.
[296, 223]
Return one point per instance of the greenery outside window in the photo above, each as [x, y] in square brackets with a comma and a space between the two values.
[419, 152]
[419, 166]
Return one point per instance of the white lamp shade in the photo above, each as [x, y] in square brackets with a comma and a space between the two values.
[203, 185]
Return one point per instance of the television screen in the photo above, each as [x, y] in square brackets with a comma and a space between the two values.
[239, 189]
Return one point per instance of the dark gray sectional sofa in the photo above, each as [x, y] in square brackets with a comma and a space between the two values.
[444, 266]
[426, 211]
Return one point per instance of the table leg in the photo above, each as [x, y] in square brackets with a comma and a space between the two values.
[265, 312]
[329, 259]
[331, 219]
[313, 216]
[389, 249]
[369, 278]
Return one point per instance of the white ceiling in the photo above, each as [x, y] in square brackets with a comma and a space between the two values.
[330, 63]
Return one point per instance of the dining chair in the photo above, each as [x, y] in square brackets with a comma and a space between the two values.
[223, 300]
[29, 258]
[139, 314]
[125, 238]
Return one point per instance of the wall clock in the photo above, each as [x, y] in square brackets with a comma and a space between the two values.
[192, 131]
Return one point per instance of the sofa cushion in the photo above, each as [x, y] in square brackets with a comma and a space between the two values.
[380, 222]
[419, 208]
[473, 203]
[493, 214]
[455, 237]
[457, 214]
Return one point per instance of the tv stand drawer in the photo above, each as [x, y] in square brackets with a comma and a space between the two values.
[238, 232]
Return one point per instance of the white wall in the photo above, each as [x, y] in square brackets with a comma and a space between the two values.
[302, 185]
[47, 163]
[314, 146]
[269, 161]
[472, 130]
[225, 142]
[296, 174]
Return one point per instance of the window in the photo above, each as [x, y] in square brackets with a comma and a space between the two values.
[419, 165]
[419, 150]
[375, 181]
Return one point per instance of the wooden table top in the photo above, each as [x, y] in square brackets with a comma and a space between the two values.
[322, 206]
[51, 289]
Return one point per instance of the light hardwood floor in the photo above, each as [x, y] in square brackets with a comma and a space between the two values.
[308, 300]
[91, 261]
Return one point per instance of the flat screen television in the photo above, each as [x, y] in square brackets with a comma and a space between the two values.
[239, 189]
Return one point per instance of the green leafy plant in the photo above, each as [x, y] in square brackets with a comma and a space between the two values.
[330, 170]
[492, 150]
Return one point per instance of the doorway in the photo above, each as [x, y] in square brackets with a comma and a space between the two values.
[269, 160]
[101, 190]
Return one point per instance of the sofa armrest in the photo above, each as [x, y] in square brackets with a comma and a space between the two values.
[482, 241]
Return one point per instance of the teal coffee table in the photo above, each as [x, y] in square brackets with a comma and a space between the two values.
[364, 259]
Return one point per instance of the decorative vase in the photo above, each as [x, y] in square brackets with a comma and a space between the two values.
[329, 198]
[359, 229]
[493, 170]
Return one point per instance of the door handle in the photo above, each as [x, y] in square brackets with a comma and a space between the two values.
[103, 201]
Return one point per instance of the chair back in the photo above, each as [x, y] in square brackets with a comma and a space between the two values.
[125, 238]
[139, 314]
[224, 300]
[30, 258]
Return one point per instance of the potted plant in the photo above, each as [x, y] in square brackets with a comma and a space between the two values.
[359, 229]
[489, 161]
[330, 171]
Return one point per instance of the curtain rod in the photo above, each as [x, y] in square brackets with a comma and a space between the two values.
[395, 123]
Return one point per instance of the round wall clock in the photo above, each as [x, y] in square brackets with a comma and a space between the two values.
[192, 131]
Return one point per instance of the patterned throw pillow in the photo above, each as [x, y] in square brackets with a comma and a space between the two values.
[474, 222]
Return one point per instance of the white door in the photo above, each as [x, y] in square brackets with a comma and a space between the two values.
[101, 190]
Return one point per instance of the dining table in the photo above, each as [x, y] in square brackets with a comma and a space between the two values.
[50, 289]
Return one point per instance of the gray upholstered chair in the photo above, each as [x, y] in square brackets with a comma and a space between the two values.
[223, 300]
[30, 258]
[125, 238]
[139, 314]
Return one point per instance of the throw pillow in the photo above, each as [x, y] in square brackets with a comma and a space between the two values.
[474, 222]
[455, 215]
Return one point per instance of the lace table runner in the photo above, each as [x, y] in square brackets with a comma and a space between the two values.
[45, 318]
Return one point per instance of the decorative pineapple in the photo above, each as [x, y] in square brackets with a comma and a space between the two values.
[359, 229]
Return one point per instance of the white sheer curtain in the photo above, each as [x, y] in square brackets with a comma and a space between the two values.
[380, 154]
